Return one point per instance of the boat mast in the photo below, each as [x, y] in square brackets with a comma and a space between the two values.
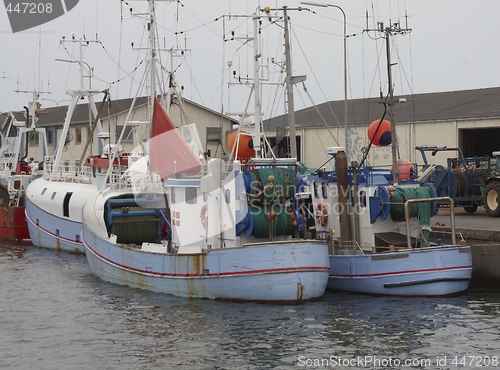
[256, 86]
[152, 81]
[152, 64]
[289, 89]
[390, 111]
[76, 95]
[386, 33]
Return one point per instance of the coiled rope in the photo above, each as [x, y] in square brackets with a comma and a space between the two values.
[421, 210]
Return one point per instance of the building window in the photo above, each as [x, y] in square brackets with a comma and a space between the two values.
[78, 135]
[214, 135]
[33, 138]
[50, 136]
[69, 138]
[127, 135]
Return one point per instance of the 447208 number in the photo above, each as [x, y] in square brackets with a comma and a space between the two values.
[29, 8]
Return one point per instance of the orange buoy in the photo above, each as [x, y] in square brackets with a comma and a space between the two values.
[382, 136]
[243, 142]
[405, 169]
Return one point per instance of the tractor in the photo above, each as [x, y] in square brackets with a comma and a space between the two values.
[492, 188]
[471, 182]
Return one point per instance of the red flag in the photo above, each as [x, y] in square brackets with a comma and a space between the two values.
[169, 154]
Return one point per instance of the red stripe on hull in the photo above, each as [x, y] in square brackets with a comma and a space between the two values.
[438, 269]
[228, 273]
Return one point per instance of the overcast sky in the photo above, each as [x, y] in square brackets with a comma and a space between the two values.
[452, 46]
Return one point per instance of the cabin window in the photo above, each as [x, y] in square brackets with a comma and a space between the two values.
[78, 135]
[53, 195]
[324, 190]
[67, 197]
[44, 190]
[172, 195]
[362, 198]
[316, 192]
[191, 195]
[228, 196]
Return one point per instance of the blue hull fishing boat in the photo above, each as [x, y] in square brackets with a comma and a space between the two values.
[376, 222]
[220, 230]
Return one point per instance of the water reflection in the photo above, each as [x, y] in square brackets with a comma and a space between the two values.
[57, 314]
[206, 334]
[13, 250]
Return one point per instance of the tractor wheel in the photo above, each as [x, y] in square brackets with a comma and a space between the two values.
[471, 209]
[492, 199]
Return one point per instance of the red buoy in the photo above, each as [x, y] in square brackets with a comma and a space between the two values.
[381, 136]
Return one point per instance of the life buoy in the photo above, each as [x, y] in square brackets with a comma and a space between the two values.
[203, 216]
[321, 215]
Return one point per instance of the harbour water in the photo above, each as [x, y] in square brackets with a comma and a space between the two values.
[55, 314]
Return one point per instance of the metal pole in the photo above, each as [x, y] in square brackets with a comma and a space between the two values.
[289, 87]
[346, 123]
[394, 139]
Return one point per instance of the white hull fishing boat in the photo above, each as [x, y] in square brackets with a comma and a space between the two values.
[220, 232]
[376, 222]
[54, 201]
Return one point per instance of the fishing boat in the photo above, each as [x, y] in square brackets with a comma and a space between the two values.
[377, 222]
[16, 172]
[54, 201]
[218, 230]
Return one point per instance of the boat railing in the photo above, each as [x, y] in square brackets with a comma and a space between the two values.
[349, 247]
[420, 200]
[442, 237]
[69, 171]
[140, 183]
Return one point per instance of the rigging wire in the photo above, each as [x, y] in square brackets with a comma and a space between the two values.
[119, 48]
[317, 81]
[319, 113]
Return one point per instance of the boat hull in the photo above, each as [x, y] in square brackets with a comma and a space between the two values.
[436, 271]
[54, 213]
[13, 224]
[49, 231]
[268, 272]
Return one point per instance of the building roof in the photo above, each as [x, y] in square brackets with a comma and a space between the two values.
[443, 106]
[55, 116]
